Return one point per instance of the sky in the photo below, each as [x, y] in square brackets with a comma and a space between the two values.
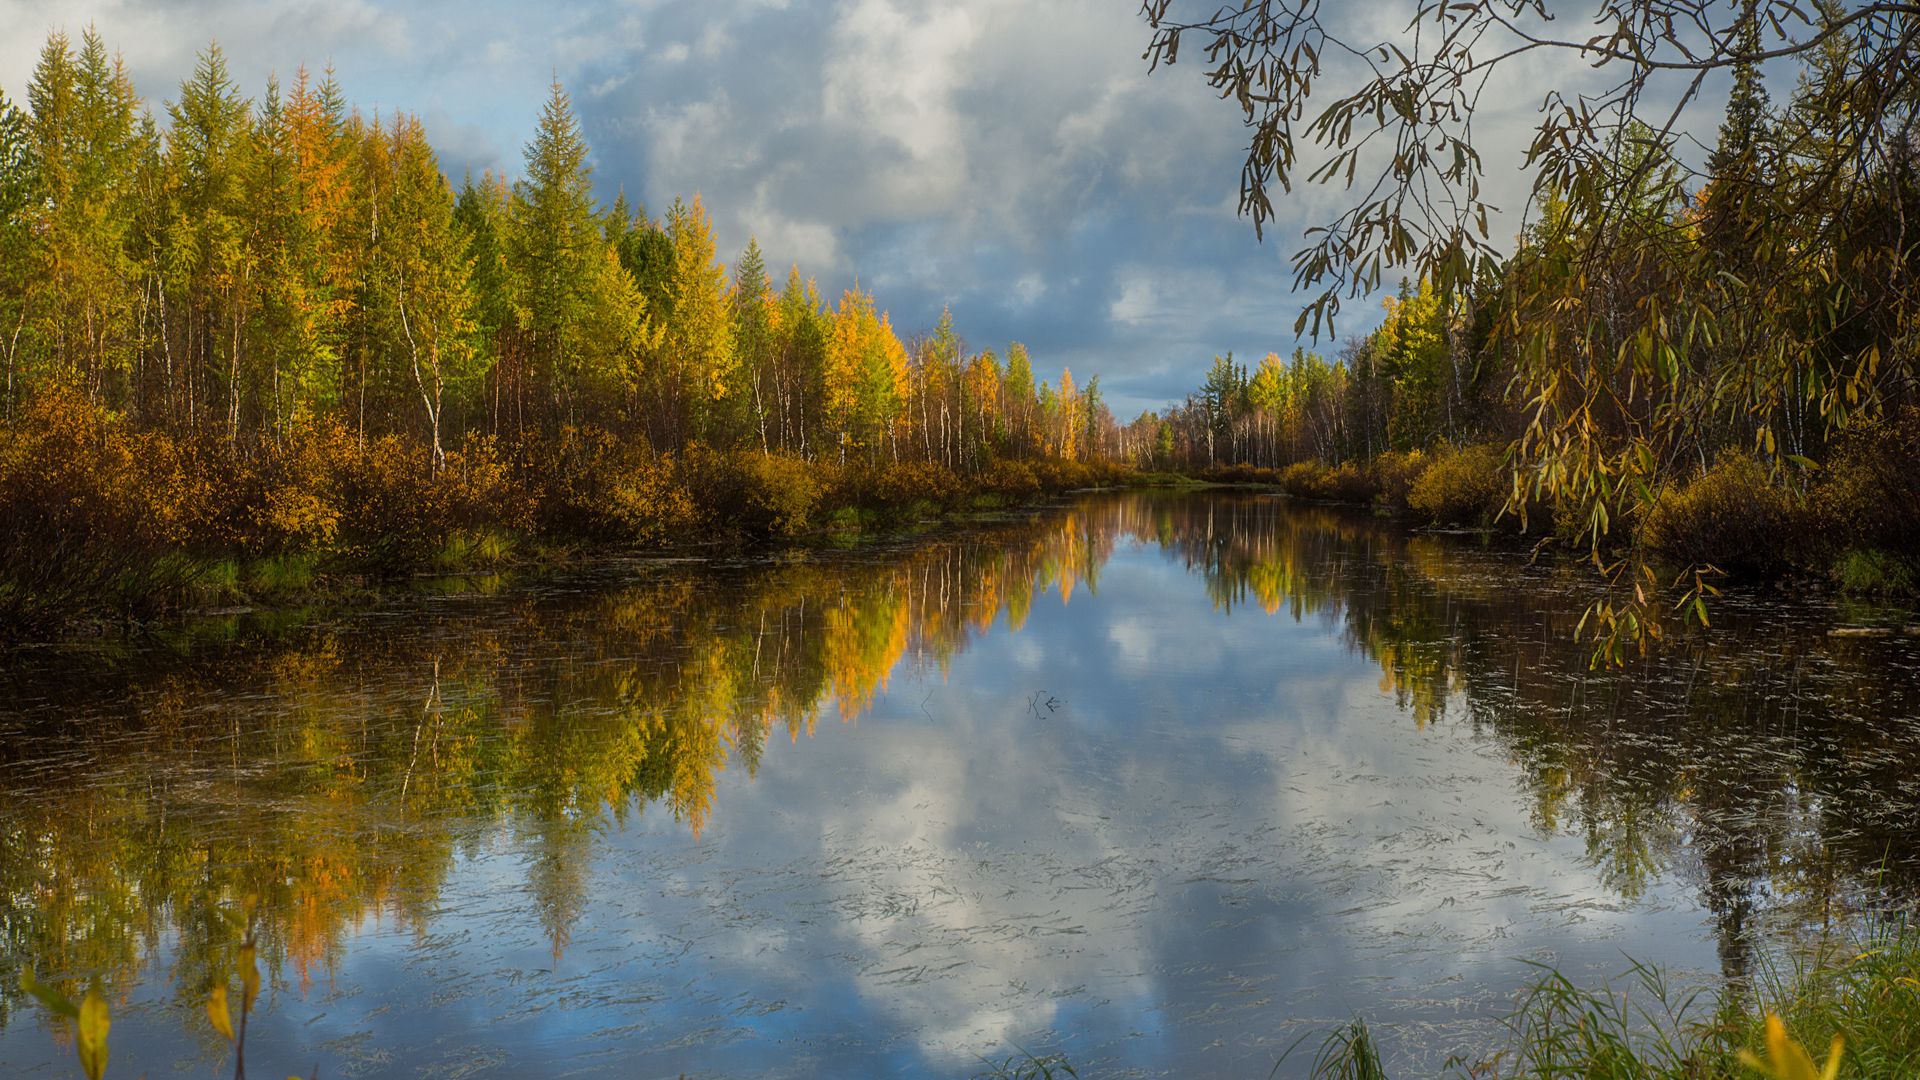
[1012, 161]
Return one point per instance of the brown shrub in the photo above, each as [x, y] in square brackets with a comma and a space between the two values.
[1012, 479]
[88, 510]
[1733, 517]
[1342, 483]
[1394, 475]
[1241, 474]
[1869, 494]
[376, 503]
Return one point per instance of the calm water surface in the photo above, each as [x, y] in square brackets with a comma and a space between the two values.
[1159, 781]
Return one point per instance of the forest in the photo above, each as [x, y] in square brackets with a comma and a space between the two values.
[271, 333]
[259, 342]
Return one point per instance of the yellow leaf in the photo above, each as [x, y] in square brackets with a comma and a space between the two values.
[217, 1012]
[93, 1034]
[1788, 1060]
[249, 978]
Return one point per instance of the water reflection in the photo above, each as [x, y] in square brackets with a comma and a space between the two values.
[371, 776]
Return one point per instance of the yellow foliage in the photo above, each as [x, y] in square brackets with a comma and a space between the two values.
[1788, 1060]
[1467, 486]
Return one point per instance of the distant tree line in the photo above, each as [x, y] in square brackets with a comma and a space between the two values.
[1419, 382]
[238, 267]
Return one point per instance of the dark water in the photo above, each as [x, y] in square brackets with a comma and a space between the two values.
[1159, 781]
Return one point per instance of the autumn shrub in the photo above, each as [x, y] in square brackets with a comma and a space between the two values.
[1733, 517]
[1242, 474]
[903, 483]
[1012, 479]
[1103, 472]
[1057, 475]
[89, 513]
[1347, 482]
[1865, 507]
[644, 501]
[378, 503]
[748, 491]
[1395, 473]
[1304, 479]
[1468, 485]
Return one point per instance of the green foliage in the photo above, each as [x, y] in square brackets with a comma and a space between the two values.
[1347, 1053]
[1875, 571]
[1868, 496]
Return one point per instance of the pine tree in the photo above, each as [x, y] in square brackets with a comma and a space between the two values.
[552, 244]
[86, 144]
[207, 225]
[1745, 126]
[19, 198]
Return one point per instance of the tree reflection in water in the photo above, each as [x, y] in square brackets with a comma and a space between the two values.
[339, 767]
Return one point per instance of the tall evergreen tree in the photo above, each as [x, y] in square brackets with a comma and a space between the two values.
[207, 212]
[551, 246]
[86, 143]
[19, 198]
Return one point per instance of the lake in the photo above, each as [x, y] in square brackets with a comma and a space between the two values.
[1157, 780]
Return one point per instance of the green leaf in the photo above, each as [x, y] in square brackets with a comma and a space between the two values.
[47, 995]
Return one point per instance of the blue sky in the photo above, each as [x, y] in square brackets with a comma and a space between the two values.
[1010, 159]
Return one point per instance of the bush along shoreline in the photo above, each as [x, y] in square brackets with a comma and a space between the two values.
[1852, 524]
[108, 526]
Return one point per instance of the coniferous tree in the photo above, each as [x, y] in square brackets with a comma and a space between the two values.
[19, 198]
[698, 349]
[206, 263]
[551, 247]
[86, 144]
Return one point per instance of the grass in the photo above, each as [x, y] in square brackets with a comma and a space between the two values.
[469, 549]
[1874, 572]
[1024, 1066]
[1859, 1000]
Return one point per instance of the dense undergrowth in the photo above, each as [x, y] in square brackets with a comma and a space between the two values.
[1854, 522]
[108, 522]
